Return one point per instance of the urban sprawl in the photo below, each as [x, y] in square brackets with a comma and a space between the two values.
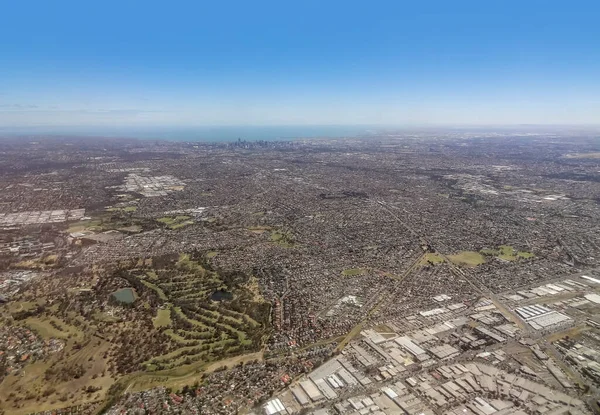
[412, 272]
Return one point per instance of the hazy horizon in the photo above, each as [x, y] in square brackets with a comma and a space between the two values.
[289, 132]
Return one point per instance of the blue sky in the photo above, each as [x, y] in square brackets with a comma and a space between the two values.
[89, 63]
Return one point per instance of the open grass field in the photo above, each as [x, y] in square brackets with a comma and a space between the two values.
[84, 225]
[431, 258]
[111, 219]
[176, 222]
[507, 253]
[504, 252]
[16, 306]
[353, 272]
[130, 229]
[76, 375]
[467, 258]
[282, 238]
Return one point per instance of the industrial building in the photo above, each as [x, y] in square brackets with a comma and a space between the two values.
[274, 407]
[543, 318]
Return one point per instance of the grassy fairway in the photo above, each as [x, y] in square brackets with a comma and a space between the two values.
[201, 329]
[183, 375]
[163, 318]
[52, 327]
[160, 292]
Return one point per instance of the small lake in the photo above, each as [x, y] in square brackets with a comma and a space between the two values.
[221, 295]
[125, 295]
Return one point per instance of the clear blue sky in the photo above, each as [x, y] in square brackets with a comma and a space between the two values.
[299, 62]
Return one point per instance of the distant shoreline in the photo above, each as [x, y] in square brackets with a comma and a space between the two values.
[200, 134]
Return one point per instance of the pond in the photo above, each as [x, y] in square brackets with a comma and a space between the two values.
[124, 295]
[221, 295]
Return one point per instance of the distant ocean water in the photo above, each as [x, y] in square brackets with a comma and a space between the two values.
[202, 134]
